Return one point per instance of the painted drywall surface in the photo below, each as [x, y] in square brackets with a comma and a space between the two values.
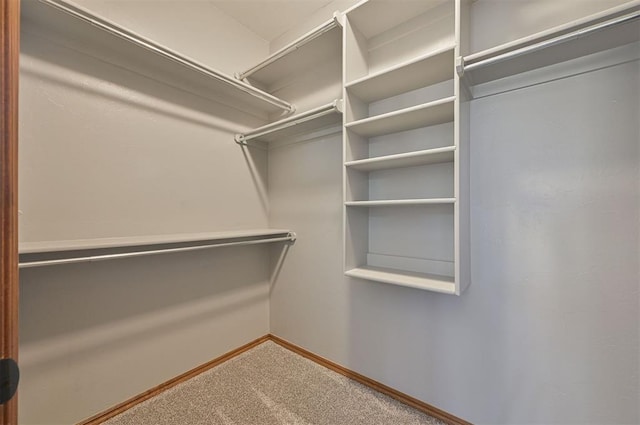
[195, 28]
[107, 152]
[93, 335]
[317, 18]
[548, 330]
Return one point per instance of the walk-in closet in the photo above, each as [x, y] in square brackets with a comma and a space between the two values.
[436, 201]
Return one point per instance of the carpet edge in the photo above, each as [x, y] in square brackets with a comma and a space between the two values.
[109, 413]
[373, 384]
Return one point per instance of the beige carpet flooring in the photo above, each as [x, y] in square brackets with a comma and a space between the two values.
[271, 385]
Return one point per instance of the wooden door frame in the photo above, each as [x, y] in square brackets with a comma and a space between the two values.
[9, 56]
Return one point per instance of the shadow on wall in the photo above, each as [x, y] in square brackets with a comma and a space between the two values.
[77, 71]
[257, 166]
[80, 309]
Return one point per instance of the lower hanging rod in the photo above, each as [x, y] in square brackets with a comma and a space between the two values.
[548, 43]
[291, 237]
[140, 41]
[333, 107]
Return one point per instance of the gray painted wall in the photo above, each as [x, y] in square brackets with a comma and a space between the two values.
[548, 330]
[105, 152]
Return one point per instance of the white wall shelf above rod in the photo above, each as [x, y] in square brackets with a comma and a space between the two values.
[314, 46]
[602, 31]
[40, 254]
[305, 122]
[97, 35]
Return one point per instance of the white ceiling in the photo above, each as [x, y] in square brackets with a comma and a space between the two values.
[269, 18]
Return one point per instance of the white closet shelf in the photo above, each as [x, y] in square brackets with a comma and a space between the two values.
[315, 119]
[87, 32]
[425, 115]
[374, 17]
[401, 160]
[401, 202]
[431, 68]
[121, 242]
[430, 282]
[314, 47]
[43, 254]
[605, 30]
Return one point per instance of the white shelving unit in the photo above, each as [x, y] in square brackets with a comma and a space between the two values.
[87, 32]
[406, 212]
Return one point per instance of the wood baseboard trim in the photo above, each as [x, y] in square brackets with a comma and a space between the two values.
[375, 385]
[124, 406]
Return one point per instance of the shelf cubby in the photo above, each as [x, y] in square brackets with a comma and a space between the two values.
[425, 70]
[408, 159]
[424, 115]
[385, 36]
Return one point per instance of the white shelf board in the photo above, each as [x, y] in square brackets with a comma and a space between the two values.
[425, 115]
[326, 116]
[401, 202]
[409, 159]
[575, 47]
[296, 58]
[431, 68]
[377, 16]
[429, 282]
[119, 242]
[96, 36]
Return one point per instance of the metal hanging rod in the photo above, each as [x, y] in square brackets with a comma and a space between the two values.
[464, 67]
[333, 107]
[147, 44]
[311, 35]
[291, 237]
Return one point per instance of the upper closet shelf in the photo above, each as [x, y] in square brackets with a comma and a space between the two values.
[303, 123]
[431, 68]
[437, 112]
[97, 36]
[38, 254]
[314, 47]
[599, 32]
